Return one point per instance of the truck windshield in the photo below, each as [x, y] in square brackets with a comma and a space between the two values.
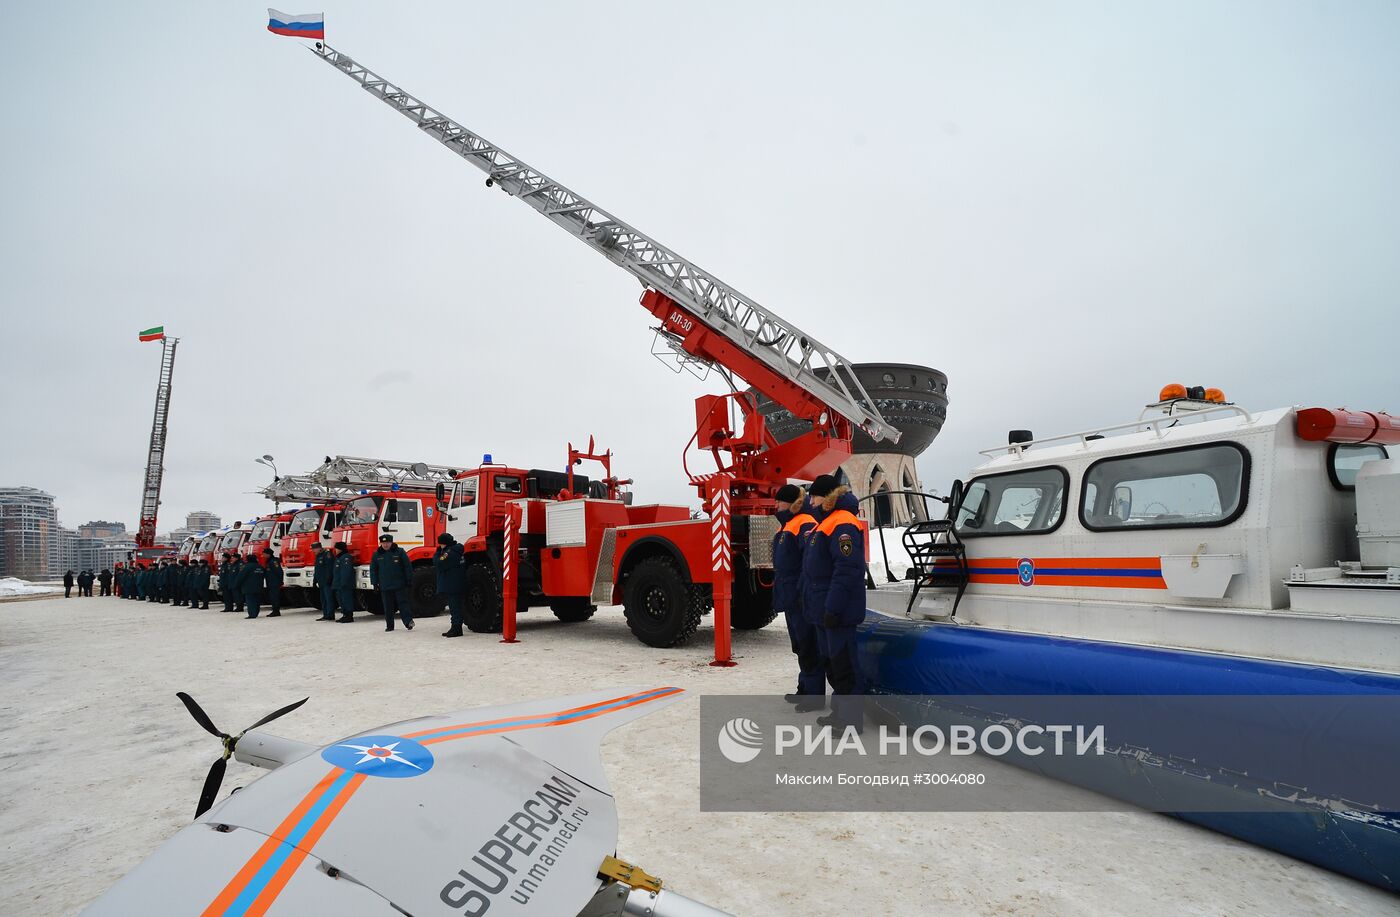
[208, 543]
[305, 522]
[365, 509]
[262, 531]
[233, 539]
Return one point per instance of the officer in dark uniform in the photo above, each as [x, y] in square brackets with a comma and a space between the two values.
[68, 580]
[833, 571]
[200, 574]
[251, 583]
[391, 572]
[228, 570]
[238, 598]
[104, 579]
[152, 582]
[450, 565]
[177, 583]
[167, 582]
[188, 597]
[272, 572]
[323, 574]
[343, 579]
[796, 522]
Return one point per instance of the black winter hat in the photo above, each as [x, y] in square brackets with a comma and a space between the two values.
[787, 493]
[823, 485]
[268, 552]
[445, 538]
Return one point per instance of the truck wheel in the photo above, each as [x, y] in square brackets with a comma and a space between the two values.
[662, 609]
[572, 609]
[423, 597]
[368, 600]
[482, 610]
[750, 604]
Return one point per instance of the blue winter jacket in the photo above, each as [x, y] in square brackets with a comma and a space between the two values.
[833, 567]
[787, 558]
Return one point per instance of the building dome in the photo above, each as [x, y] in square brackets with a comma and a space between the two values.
[912, 398]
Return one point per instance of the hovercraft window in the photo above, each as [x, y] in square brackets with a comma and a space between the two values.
[1344, 460]
[1030, 502]
[1178, 488]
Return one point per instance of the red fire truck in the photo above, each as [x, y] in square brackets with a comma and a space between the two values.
[309, 525]
[267, 532]
[579, 549]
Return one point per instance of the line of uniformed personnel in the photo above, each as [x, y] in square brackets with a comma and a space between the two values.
[819, 586]
[246, 582]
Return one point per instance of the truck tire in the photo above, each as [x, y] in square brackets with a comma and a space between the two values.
[662, 609]
[482, 610]
[423, 595]
[572, 609]
[367, 600]
[750, 605]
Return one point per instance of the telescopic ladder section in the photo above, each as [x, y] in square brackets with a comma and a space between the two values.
[381, 474]
[155, 458]
[301, 488]
[778, 344]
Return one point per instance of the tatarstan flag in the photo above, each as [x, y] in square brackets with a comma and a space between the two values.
[154, 334]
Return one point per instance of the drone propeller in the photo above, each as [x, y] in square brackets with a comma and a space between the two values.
[215, 778]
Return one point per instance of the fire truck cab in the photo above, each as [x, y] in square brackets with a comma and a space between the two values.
[412, 520]
[187, 548]
[308, 526]
[267, 532]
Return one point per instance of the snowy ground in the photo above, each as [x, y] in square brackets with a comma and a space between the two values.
[10, 586]
[99, 764]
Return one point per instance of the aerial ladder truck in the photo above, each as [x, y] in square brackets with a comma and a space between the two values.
[665, 567]
[147, 551]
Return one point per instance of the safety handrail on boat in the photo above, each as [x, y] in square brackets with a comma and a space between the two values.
[884, 554]
[1156, 425]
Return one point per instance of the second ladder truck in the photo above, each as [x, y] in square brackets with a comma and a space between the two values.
[573, 547]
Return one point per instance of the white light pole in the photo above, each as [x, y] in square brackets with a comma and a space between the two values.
[268, 461]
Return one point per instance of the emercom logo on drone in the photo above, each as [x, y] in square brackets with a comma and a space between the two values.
[741, 740]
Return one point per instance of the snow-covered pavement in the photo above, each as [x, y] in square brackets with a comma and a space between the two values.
[99, 763]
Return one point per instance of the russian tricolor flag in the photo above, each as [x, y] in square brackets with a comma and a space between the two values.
[301, 25]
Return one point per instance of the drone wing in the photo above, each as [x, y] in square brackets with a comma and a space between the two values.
[500, 809]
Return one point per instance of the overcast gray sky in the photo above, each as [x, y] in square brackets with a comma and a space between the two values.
[1064, 206]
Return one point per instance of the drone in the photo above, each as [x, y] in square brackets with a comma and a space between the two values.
[499, 810]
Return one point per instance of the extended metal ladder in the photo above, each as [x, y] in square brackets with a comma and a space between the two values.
[939, 560]
[343, 476]
[777, 343]
[155, 458]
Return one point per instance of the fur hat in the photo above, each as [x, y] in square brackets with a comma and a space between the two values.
[829, 501]
[788, 493]
[823, 485]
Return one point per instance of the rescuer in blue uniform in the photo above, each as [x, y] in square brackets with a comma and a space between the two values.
[251, 582]
[201, 583]
[450, 565]
[228, 578]
[343, 579]
[796, 521]
[272, 574]
[833, 570]
[322, 575]
[391, 572]
[179, 580]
